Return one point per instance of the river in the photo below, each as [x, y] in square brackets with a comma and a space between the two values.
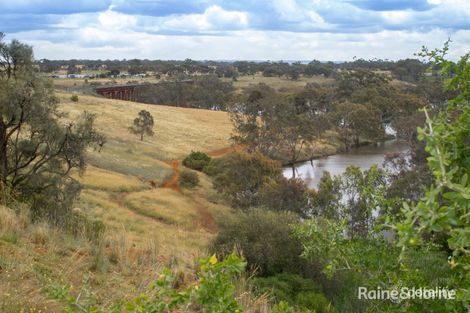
[364, 157]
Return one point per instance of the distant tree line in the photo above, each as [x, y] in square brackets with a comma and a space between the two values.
[408, 70]
[205, 92]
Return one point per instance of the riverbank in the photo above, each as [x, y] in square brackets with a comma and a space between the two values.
[363, 157]
[329, 149]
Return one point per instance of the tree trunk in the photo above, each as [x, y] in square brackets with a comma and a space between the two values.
[3, 153]
[141, 136]
[293, 170]
[3, 160]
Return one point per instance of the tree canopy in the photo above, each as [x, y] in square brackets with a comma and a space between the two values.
[142, 124]
[38, 151]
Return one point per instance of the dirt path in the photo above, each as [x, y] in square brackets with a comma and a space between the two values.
[206, 219]
[172, 182]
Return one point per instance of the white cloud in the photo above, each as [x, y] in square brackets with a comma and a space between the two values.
[396, 17]
[115, 20]
[95, 43]
[213, 18]
[304, 15]
[286, 29]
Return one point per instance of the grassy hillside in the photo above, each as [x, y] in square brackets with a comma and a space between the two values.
[281, 84]
[120, 177]
[131, 186]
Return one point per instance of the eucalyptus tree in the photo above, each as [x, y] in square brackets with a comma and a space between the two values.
[272, 123]
[142, 124]
[40, 148]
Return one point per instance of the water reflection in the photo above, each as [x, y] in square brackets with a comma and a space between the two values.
[336, 164]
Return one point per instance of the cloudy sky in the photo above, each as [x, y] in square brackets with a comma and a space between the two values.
[236, 29]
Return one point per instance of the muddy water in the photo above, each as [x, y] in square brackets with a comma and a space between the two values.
[336, 164]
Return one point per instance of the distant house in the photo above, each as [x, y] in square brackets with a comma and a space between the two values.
[58, 76]
[78, 76]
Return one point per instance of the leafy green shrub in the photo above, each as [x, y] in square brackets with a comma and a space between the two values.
[188, 179]
[283, 307]
[196, 160]
[264, 238]
[74, 98]
[314, 301]
[285, 286]
[213, 167]
[296, 290]
[213, 291]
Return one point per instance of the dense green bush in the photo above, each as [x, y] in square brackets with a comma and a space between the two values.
[240, 175]
[314, 301]
[188, 179]
[74, 98]
[213, 167]
[196, 160]
[286, 195]
[285, 286]
[296, 290]
[264, 238]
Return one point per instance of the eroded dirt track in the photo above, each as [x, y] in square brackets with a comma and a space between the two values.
[206, 219]
[172, 182]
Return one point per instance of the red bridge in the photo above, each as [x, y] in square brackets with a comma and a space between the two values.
[122, 92]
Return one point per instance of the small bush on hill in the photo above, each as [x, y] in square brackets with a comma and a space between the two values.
[197, 160]
[188, 179]
[74, 98]
[212, 167]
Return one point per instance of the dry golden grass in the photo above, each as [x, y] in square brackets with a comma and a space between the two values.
[126, 165]
[146, 228]
[117, 182]
[177, 130]
[8, 221]
[100, 179]
[281, 84]
[165, 205]
[71, 82]
[44, 258]
[173, 239]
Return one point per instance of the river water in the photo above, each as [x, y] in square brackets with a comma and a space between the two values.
[363, 157]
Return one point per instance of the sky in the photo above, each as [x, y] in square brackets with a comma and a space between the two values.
[327, 30]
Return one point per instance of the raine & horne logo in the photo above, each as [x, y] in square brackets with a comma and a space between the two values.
[405, 293]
